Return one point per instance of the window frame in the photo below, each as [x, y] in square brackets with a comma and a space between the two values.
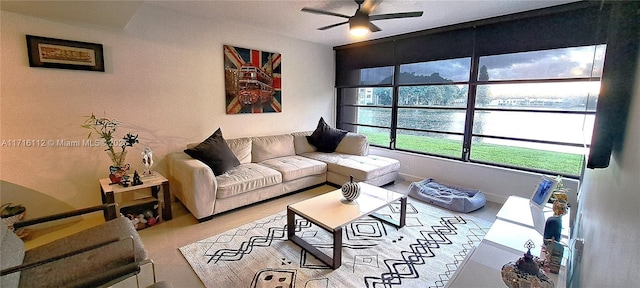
[573, 25]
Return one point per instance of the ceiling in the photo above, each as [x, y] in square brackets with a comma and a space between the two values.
[284, 16]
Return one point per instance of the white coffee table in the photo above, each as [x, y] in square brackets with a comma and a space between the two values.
[331, 212]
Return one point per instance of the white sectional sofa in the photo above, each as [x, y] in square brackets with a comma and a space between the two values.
[271, 166]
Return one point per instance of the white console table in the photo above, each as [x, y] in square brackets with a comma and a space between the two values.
[516, 222]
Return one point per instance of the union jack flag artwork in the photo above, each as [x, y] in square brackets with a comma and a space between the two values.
[253, 82]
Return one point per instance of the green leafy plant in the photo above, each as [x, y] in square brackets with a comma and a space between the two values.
[8, 210]
[560, 186]
[106, 128]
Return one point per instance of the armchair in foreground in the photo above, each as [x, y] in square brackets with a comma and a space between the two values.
[97, 257]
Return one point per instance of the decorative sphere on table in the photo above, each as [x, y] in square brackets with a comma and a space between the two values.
[351, 190]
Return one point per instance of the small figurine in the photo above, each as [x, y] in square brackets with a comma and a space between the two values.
[114, 174]
[136, 179]
[525, 272]
[147, 160]
[118, 173]
[125, 181]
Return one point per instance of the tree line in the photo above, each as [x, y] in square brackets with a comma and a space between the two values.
[427, 94]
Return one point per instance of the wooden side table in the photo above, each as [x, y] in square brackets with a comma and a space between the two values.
[155, 181]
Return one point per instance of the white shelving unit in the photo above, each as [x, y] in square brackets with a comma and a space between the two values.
[516, 222]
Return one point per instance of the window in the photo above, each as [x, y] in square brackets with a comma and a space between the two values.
[533, 110]
[520, 93]
[539, 106]
[432, 100]
[367, 109]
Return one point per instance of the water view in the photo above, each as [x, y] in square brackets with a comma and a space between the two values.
[569, 128]
[528, 97]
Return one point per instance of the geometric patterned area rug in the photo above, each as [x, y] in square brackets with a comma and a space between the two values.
[424, 253]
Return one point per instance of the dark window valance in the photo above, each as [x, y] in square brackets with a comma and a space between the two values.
[444, 45]
[350, 61]
[560, 30]
[536, 30]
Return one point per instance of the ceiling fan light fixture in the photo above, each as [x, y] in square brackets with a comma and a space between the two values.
[359, 31]
[359, 25]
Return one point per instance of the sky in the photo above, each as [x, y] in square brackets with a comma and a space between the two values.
[546, 64]
[574, 62]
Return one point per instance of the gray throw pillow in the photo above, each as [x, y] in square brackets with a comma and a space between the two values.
[215, 153]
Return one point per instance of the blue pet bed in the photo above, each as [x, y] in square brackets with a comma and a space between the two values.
[449, 197]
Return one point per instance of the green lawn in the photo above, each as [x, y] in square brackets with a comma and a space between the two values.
[557, 162]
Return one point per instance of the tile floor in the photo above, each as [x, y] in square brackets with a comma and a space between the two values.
[162, 241]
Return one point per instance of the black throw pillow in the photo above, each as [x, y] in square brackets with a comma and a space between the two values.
[214, 152]
[325, 138]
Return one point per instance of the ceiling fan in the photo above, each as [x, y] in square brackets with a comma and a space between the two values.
[360, 23]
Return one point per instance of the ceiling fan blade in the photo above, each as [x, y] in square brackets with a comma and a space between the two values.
[333, 25]
[368, 6]
[316, 11]
[395, 15]
[373, 27]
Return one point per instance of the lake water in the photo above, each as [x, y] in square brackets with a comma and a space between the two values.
[558, 127]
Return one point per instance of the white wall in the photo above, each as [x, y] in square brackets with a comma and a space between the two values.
[496, 183]
[610, 208]
[164, 80]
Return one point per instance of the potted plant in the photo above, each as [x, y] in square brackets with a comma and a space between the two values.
[106, 129]
[11, 214]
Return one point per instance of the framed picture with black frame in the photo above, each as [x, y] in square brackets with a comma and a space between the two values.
[543, 191]
[64, 54]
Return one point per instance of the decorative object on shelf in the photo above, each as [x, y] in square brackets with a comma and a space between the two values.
[106, 128]
[136, 179]
[553, 225]
[125, 181]
[147, 160]
[525, 272]
[543, 191]
[11, 214]
[553, 252]
[553, 228]
[560, 206]
[142, 215]
[116, 174]
[560, 198]
[351, 190]
[553, 249]
[117, 158]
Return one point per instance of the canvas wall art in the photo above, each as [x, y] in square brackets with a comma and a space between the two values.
[253, 81]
